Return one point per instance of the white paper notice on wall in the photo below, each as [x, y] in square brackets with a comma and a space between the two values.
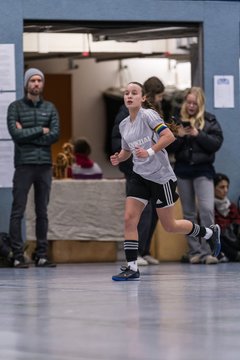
[223, 91]
[5, 99]
[6, 163]
[7, 67]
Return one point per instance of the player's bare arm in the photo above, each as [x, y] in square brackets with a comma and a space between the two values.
[120, 157]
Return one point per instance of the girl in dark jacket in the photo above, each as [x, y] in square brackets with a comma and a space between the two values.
[199, 138]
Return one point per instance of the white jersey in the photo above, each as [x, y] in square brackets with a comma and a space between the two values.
[144, 132]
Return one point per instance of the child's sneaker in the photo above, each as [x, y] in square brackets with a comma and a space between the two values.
[127, 274]
[214, 241]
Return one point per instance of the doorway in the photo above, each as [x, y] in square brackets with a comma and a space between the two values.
[89, 69]
[58, 90]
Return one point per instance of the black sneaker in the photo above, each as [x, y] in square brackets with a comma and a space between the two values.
[127, 274]
[214, 241]
[43, 262]
[20, 263]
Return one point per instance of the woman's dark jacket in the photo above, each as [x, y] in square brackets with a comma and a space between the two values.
[127, 165]
[195, 155]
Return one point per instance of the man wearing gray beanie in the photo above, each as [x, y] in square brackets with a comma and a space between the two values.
[31, 72]
[33, 124]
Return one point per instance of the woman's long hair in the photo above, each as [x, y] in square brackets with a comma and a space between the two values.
[152, 87]
[197, 120]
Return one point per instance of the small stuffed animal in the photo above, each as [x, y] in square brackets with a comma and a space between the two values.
[61, 166]
[68, 151]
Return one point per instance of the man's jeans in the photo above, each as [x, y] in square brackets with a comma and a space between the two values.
[40, 176]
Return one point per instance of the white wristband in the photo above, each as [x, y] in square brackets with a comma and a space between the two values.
[151, 152]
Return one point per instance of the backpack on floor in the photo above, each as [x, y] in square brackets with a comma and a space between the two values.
[5, 250]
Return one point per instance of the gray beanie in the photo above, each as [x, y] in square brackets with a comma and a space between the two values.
[31, 72]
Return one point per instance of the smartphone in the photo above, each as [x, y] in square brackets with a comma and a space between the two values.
[186, 123]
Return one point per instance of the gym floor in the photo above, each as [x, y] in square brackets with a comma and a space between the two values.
[73, 312]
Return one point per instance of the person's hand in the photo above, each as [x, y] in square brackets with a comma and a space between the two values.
[188, 130]
[18, 125]
[115, 159]
[46, 130]
[141, 153]
[193, 131]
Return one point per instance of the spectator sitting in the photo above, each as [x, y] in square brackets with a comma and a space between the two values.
[228, 217]
[83, 167]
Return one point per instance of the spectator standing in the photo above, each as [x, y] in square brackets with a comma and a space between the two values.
[199, 137]
[33, 124]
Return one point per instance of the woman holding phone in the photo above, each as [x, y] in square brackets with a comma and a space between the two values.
[199, 138]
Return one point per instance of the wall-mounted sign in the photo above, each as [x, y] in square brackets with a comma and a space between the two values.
[223, 91]
[7, 67]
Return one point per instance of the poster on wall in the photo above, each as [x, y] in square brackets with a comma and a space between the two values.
[223, 91]
[6, 163]
[7, 95]
[5, 99]
[7, 67]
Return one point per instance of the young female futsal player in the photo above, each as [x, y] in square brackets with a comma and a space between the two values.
[145, 136]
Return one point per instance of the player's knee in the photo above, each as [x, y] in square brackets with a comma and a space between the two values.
[130, 221]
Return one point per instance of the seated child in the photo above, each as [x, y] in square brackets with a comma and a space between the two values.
[227, 216]
[83, 167]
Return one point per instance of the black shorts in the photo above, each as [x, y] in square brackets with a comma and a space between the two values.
[160, 195]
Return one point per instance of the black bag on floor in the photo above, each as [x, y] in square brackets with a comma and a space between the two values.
[5, 250]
